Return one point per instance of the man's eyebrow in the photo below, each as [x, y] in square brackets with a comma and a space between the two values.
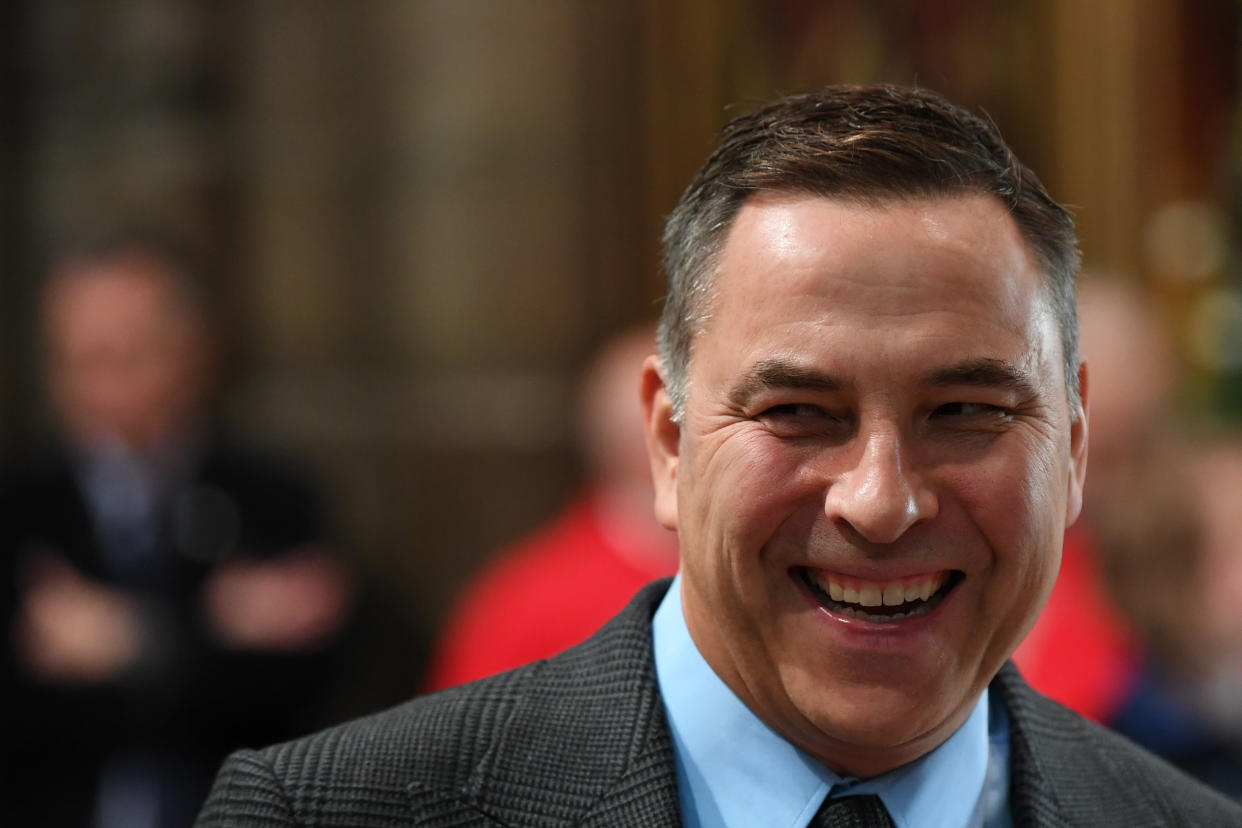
[987, 372]
[775, 373]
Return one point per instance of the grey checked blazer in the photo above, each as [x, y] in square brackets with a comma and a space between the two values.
[581, 740]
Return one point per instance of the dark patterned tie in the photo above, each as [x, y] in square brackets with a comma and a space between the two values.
[866, 811]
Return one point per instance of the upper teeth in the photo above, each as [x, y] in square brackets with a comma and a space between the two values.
[876, 593]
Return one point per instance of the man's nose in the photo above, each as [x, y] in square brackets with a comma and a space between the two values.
[881, 496]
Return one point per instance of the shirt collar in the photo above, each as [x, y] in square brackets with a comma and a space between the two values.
[734, 770]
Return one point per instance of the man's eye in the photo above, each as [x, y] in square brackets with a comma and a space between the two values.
[796, 410]
[970, 410]
[801, 420]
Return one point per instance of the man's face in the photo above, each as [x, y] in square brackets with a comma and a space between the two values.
[877, 412]
[125, 356]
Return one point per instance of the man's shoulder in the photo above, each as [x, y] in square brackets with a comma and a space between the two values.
[559, 734]
[590, 680]
[1064, 764]
[426, 740]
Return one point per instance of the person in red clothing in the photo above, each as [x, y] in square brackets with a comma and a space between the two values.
[1173, 544]
[553, 589]
[1080, 652]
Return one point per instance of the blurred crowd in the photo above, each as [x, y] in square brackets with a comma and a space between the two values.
[170, 594]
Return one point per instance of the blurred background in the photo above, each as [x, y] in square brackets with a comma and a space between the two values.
[420, 217]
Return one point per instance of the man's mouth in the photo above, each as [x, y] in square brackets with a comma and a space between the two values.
[879, 601]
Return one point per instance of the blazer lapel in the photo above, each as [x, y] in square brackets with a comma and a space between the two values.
[1067, 771]
[1033, 799]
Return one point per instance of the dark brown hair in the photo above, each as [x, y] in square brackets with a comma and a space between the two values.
[859, 143]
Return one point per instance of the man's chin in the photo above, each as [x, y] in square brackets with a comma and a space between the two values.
[870, 729]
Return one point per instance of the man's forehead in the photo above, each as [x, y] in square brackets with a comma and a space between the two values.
[769, 296]
[787, 243]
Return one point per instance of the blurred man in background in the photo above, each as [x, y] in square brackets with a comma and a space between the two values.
[168, 595]
[1171, 546]
[556, 587]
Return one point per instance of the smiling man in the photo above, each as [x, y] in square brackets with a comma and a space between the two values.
[875, 461]
[867, 426]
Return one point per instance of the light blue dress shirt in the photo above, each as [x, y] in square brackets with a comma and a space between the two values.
[733, 770]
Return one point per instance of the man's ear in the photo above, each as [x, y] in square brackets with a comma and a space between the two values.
[1078, 451]
[663, 441]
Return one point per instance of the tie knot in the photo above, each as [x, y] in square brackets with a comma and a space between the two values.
[865, 811]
